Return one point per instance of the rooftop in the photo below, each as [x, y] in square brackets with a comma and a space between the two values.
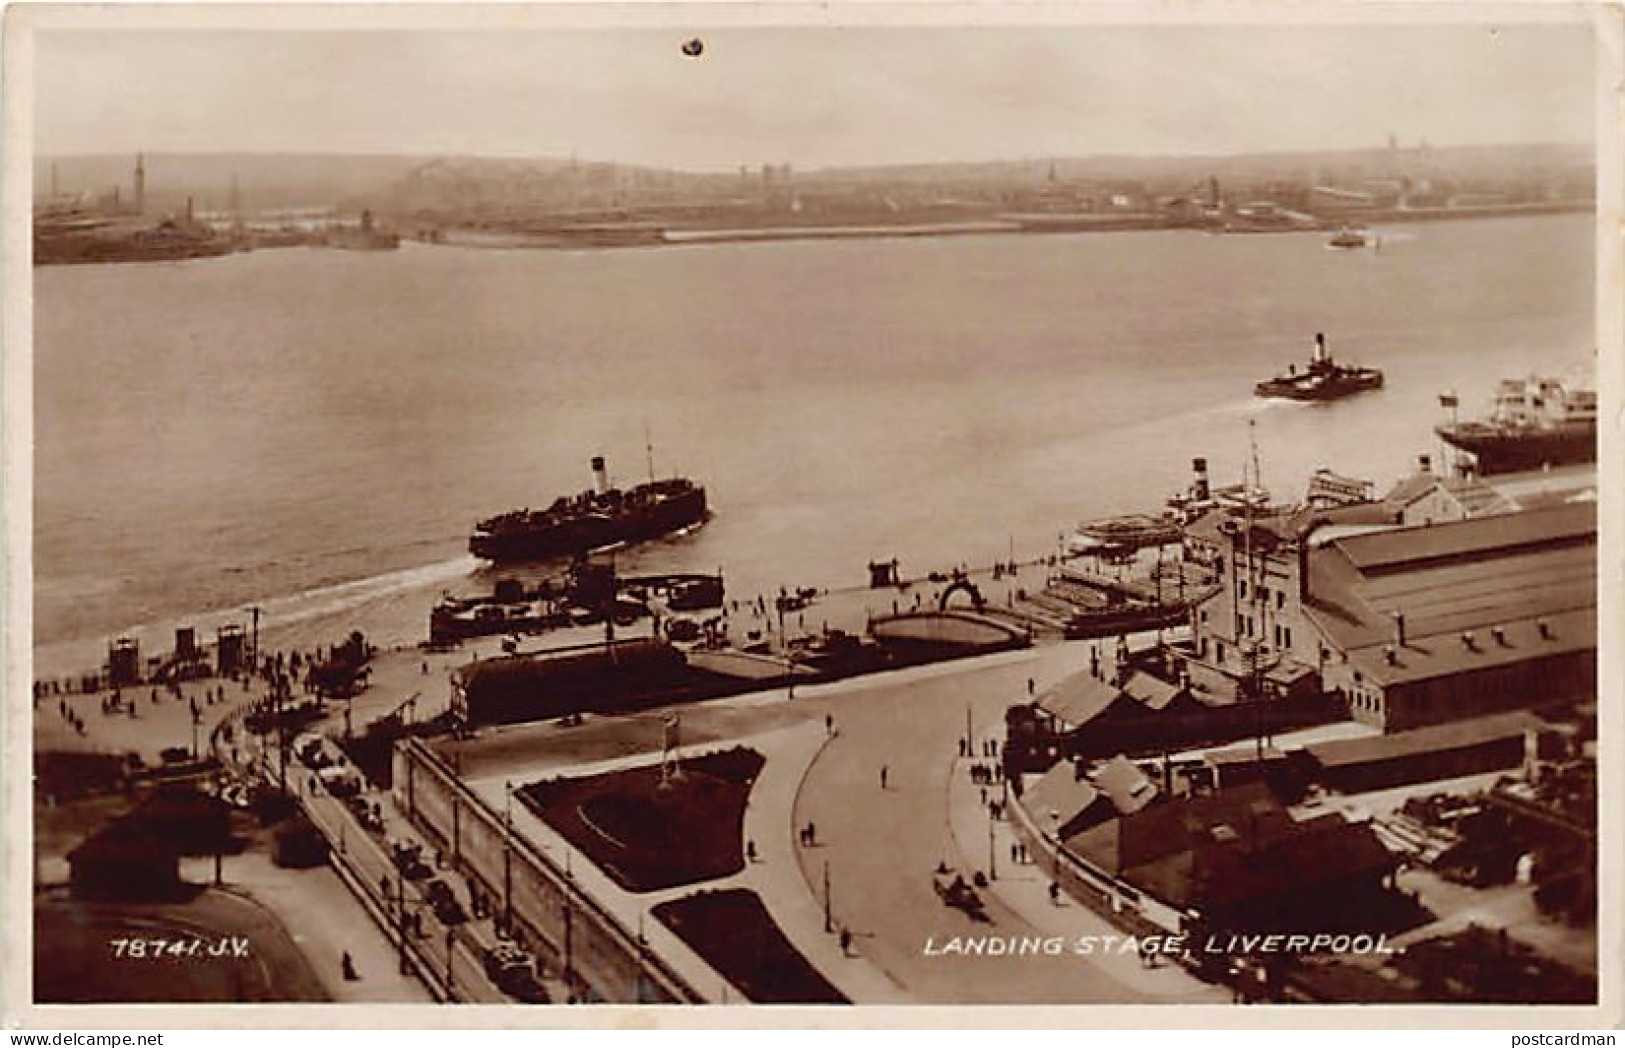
[1440, 738]
[1059, 796]
[1446, 654]
[1448, 578]
[1078, 699]
[1406, 548]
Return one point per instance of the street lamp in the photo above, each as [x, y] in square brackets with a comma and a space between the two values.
[992, 867]
[507, 854]
[829, 920]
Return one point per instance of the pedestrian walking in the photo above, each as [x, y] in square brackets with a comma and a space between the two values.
[883, 771]
[829, 724]
[750, 851]
[846, 942]
[1054, 893]
[347, 966]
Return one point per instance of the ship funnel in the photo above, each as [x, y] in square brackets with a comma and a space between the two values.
[1199, 486]
[1320, 348]
[600, 475]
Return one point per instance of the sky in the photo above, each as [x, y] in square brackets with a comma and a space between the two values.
[813, 95]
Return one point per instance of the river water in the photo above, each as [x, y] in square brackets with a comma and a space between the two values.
[315, 431]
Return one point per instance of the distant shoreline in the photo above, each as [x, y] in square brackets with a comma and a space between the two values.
[650, 235]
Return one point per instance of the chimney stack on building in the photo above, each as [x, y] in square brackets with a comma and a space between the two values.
[1468, 641]
[1399, 628]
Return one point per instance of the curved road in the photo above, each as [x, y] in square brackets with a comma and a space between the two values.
[882, 846]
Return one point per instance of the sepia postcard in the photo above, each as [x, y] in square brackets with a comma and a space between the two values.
[882, 509]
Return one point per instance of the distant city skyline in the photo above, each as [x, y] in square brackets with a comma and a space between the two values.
[815, 96]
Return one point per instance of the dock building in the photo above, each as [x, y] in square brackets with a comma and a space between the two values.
[1445, 600]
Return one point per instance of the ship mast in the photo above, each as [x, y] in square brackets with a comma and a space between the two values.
[1256, 620]
[649, 449]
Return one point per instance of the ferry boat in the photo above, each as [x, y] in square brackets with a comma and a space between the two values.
[601, 518]
[1536, 422]
[1321, 379]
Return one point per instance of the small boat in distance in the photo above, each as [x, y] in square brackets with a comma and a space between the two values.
[1321, 379]
[1536, 422]
[1350, 237]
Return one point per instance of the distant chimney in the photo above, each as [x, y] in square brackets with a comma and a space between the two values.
[1499, 634]
[1468, 641]
[1399, 628]
[600, 475]
[1388, 654]
[1199, 487]
[1424, 464]
[188, 210]
[1544, 628]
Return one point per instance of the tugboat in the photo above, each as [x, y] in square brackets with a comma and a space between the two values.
[1322, 379]
[1536, 422]
[597, 519]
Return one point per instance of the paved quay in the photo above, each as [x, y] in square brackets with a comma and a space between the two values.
[880, 846]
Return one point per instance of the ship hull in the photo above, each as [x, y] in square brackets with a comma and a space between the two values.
[584, 534]
[1504, 452]
[1329, 390]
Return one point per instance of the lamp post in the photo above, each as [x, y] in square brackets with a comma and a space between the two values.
[992, 865]
[507, 854]
[829, 919]
[400, 921]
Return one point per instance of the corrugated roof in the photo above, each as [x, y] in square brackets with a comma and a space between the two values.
[1410, 489]
[1437, 739]
[1387, 550]
[1060, 791]
[1128, 788]
[1078, 699]
[1493, 585]
[1444, 654]
[1150, 691]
